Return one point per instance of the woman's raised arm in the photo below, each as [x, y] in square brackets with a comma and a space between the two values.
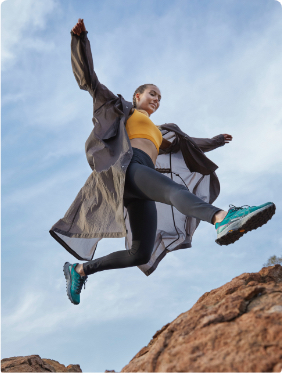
[83, 68]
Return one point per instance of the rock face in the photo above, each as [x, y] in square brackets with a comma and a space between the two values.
[33, 363]
[235, 328]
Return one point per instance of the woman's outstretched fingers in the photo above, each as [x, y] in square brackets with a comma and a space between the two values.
[79, 27]
[76, 29]
[81, 23]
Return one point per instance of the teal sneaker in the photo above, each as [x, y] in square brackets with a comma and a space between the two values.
[74, 282]
[240, 220]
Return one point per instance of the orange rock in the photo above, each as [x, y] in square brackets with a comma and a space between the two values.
[33, 363]
[235, 328]
[61, 368]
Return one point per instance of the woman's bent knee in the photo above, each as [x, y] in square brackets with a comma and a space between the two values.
[140, 255]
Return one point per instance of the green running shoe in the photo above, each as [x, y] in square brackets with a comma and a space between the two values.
[74, 282]
[240, 220]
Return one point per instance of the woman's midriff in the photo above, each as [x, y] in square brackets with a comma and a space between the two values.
[147, 146]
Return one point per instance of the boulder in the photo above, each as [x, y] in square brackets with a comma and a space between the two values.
[234, 328]
[33, 363]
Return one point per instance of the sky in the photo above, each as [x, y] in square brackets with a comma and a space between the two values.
[218, 66]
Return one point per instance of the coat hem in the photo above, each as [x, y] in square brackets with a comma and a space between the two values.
[156, 263]
[162, 255]
[69, 249]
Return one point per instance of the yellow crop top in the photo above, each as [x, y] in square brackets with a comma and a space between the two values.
[139, 125]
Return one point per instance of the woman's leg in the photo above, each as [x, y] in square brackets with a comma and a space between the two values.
[143, 223]
[147, 183]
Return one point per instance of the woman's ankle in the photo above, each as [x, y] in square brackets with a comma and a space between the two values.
[79, 270]
[219, 216]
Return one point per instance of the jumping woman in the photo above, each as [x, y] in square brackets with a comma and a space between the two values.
[150, 184]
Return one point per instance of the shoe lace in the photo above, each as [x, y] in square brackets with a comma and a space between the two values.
[78, 283]
[234, 208]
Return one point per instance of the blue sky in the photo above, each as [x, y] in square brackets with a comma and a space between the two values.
[218, 66]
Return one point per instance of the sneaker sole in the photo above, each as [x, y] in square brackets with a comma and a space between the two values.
[256, 220]
[68, 280]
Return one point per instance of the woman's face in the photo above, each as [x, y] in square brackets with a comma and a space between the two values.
[149, 100]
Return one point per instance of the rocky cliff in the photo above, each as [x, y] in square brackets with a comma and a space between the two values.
[33, 363]
[234, 328]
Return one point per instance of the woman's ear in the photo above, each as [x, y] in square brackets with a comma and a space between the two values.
[137, 96]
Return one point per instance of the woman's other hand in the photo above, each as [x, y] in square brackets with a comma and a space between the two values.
[227, 138]
[79, 27]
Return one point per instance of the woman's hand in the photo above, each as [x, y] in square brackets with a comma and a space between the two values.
[79, 27]
[227, 138]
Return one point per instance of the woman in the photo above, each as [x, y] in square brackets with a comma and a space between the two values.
[123, 150]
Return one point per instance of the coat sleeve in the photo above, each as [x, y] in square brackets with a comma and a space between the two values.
[208, 144]
[83, 69]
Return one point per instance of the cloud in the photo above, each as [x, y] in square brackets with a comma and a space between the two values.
[22, 196]
[20, 20]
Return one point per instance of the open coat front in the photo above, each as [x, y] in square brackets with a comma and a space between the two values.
[97, 211]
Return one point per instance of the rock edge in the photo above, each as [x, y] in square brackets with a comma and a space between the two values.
[34, 363]
[234, 328]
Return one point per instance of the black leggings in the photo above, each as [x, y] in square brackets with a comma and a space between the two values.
[143, 186]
